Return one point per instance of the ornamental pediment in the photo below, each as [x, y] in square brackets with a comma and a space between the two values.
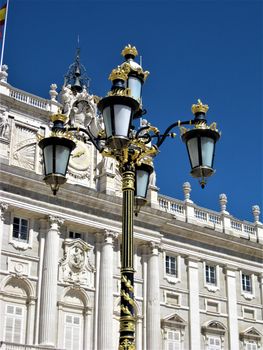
[173, 320]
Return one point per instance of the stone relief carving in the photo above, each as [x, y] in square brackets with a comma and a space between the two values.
[24, 149]
[81, 109]
[75, 267]
[4, 124]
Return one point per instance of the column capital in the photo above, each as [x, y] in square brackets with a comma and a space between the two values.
[55, 221]
[107, 236]
[151, 248]
[230, 270]
[193, 261]
[3, 209]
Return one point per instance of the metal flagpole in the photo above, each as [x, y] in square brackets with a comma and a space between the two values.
[3, 44]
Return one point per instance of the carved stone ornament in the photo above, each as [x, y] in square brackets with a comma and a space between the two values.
[75, 267]
[3, 209]
[4, 124]
[80, 161]
[24, 149]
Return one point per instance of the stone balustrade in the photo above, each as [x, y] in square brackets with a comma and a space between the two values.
[29, 99]
[219, 221]
[15, 346]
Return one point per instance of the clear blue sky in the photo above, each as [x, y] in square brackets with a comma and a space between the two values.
[193, 49]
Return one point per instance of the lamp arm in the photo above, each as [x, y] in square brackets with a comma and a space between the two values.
[167, 131]
[90, 135]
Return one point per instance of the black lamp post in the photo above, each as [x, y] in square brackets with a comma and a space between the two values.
[134, 152]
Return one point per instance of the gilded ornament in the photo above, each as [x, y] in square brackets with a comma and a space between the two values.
[129, 50]
[127, 283]
[127, 325]
[118, 73]
[58, 117]
[120, 92]
[199, 107]
[127, 297]
[127, 345]
[125, 310]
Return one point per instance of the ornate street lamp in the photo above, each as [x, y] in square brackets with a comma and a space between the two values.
[134, 152]
[56, 152]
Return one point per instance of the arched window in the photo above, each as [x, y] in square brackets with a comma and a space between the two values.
[214, 335]
[251, 339]
[74, 324]
[17, 302]
[173, 328]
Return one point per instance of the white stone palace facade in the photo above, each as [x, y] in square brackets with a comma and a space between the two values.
[198, 279]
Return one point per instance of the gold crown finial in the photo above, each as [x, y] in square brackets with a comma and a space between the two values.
[129, 50]
[118, 73]
[58, 117]
[199, 107]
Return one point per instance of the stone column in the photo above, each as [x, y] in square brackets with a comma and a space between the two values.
[153, 315]
[42, 233]
[232, 308]
[3, 208]
[105, 303]
[48, 314]
[194, 315]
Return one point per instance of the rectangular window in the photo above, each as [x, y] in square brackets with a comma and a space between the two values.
[210, 274]
[246, 283]
[214, 343]
[72, 336]
[173, 340]
[14, 324]
[212, 306]
[20, 229]
[251, 346]
[170, 265]
[74, 235]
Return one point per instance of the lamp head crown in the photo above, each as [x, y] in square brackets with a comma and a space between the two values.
[199, 107]
[118, 73]
[58, 117]
[129, 50]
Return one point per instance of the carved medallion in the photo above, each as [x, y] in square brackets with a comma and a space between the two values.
[75, 267]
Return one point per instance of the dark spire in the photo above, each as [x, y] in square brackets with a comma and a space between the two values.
[76, 75]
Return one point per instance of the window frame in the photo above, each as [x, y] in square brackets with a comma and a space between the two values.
[14, 317]
[170, 277]
[209, 286]
[80, 328]
[245, 293]
[21, 244]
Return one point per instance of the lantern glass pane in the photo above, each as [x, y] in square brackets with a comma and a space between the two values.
[122, 116]
[192, 145]
[62, 157]
[135, 85]
[107, 121]
[48, 159]
[142, 178]
[207, 146]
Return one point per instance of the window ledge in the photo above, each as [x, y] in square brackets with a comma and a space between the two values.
[248, 296]
[172, 279]
[211, 288]
[20, 245]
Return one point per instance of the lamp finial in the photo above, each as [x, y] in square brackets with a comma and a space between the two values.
[199, 107]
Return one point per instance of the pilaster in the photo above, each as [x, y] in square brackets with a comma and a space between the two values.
[194, 312]
[48, 314]
[232, 307]
[3, 209]
[153, 314]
